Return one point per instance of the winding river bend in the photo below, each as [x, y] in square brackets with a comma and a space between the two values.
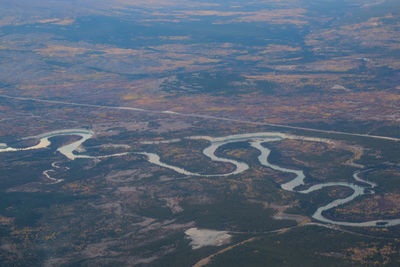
[256, 140]
[66, 150]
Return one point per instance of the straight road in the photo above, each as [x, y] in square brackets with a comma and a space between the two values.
[194, 115]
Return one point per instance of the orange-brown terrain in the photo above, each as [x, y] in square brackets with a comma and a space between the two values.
[143, 76]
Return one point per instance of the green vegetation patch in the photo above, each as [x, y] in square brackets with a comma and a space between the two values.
[215, 83]
[233, 214]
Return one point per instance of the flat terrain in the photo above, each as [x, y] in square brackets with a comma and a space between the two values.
[139, 77]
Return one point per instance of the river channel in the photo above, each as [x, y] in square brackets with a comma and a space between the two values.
[256, 140]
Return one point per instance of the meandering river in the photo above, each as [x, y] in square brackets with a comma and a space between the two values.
[256, 140]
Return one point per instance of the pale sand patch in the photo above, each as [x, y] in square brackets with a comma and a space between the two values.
[203, 237]
[339, 87]
[173, 204]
